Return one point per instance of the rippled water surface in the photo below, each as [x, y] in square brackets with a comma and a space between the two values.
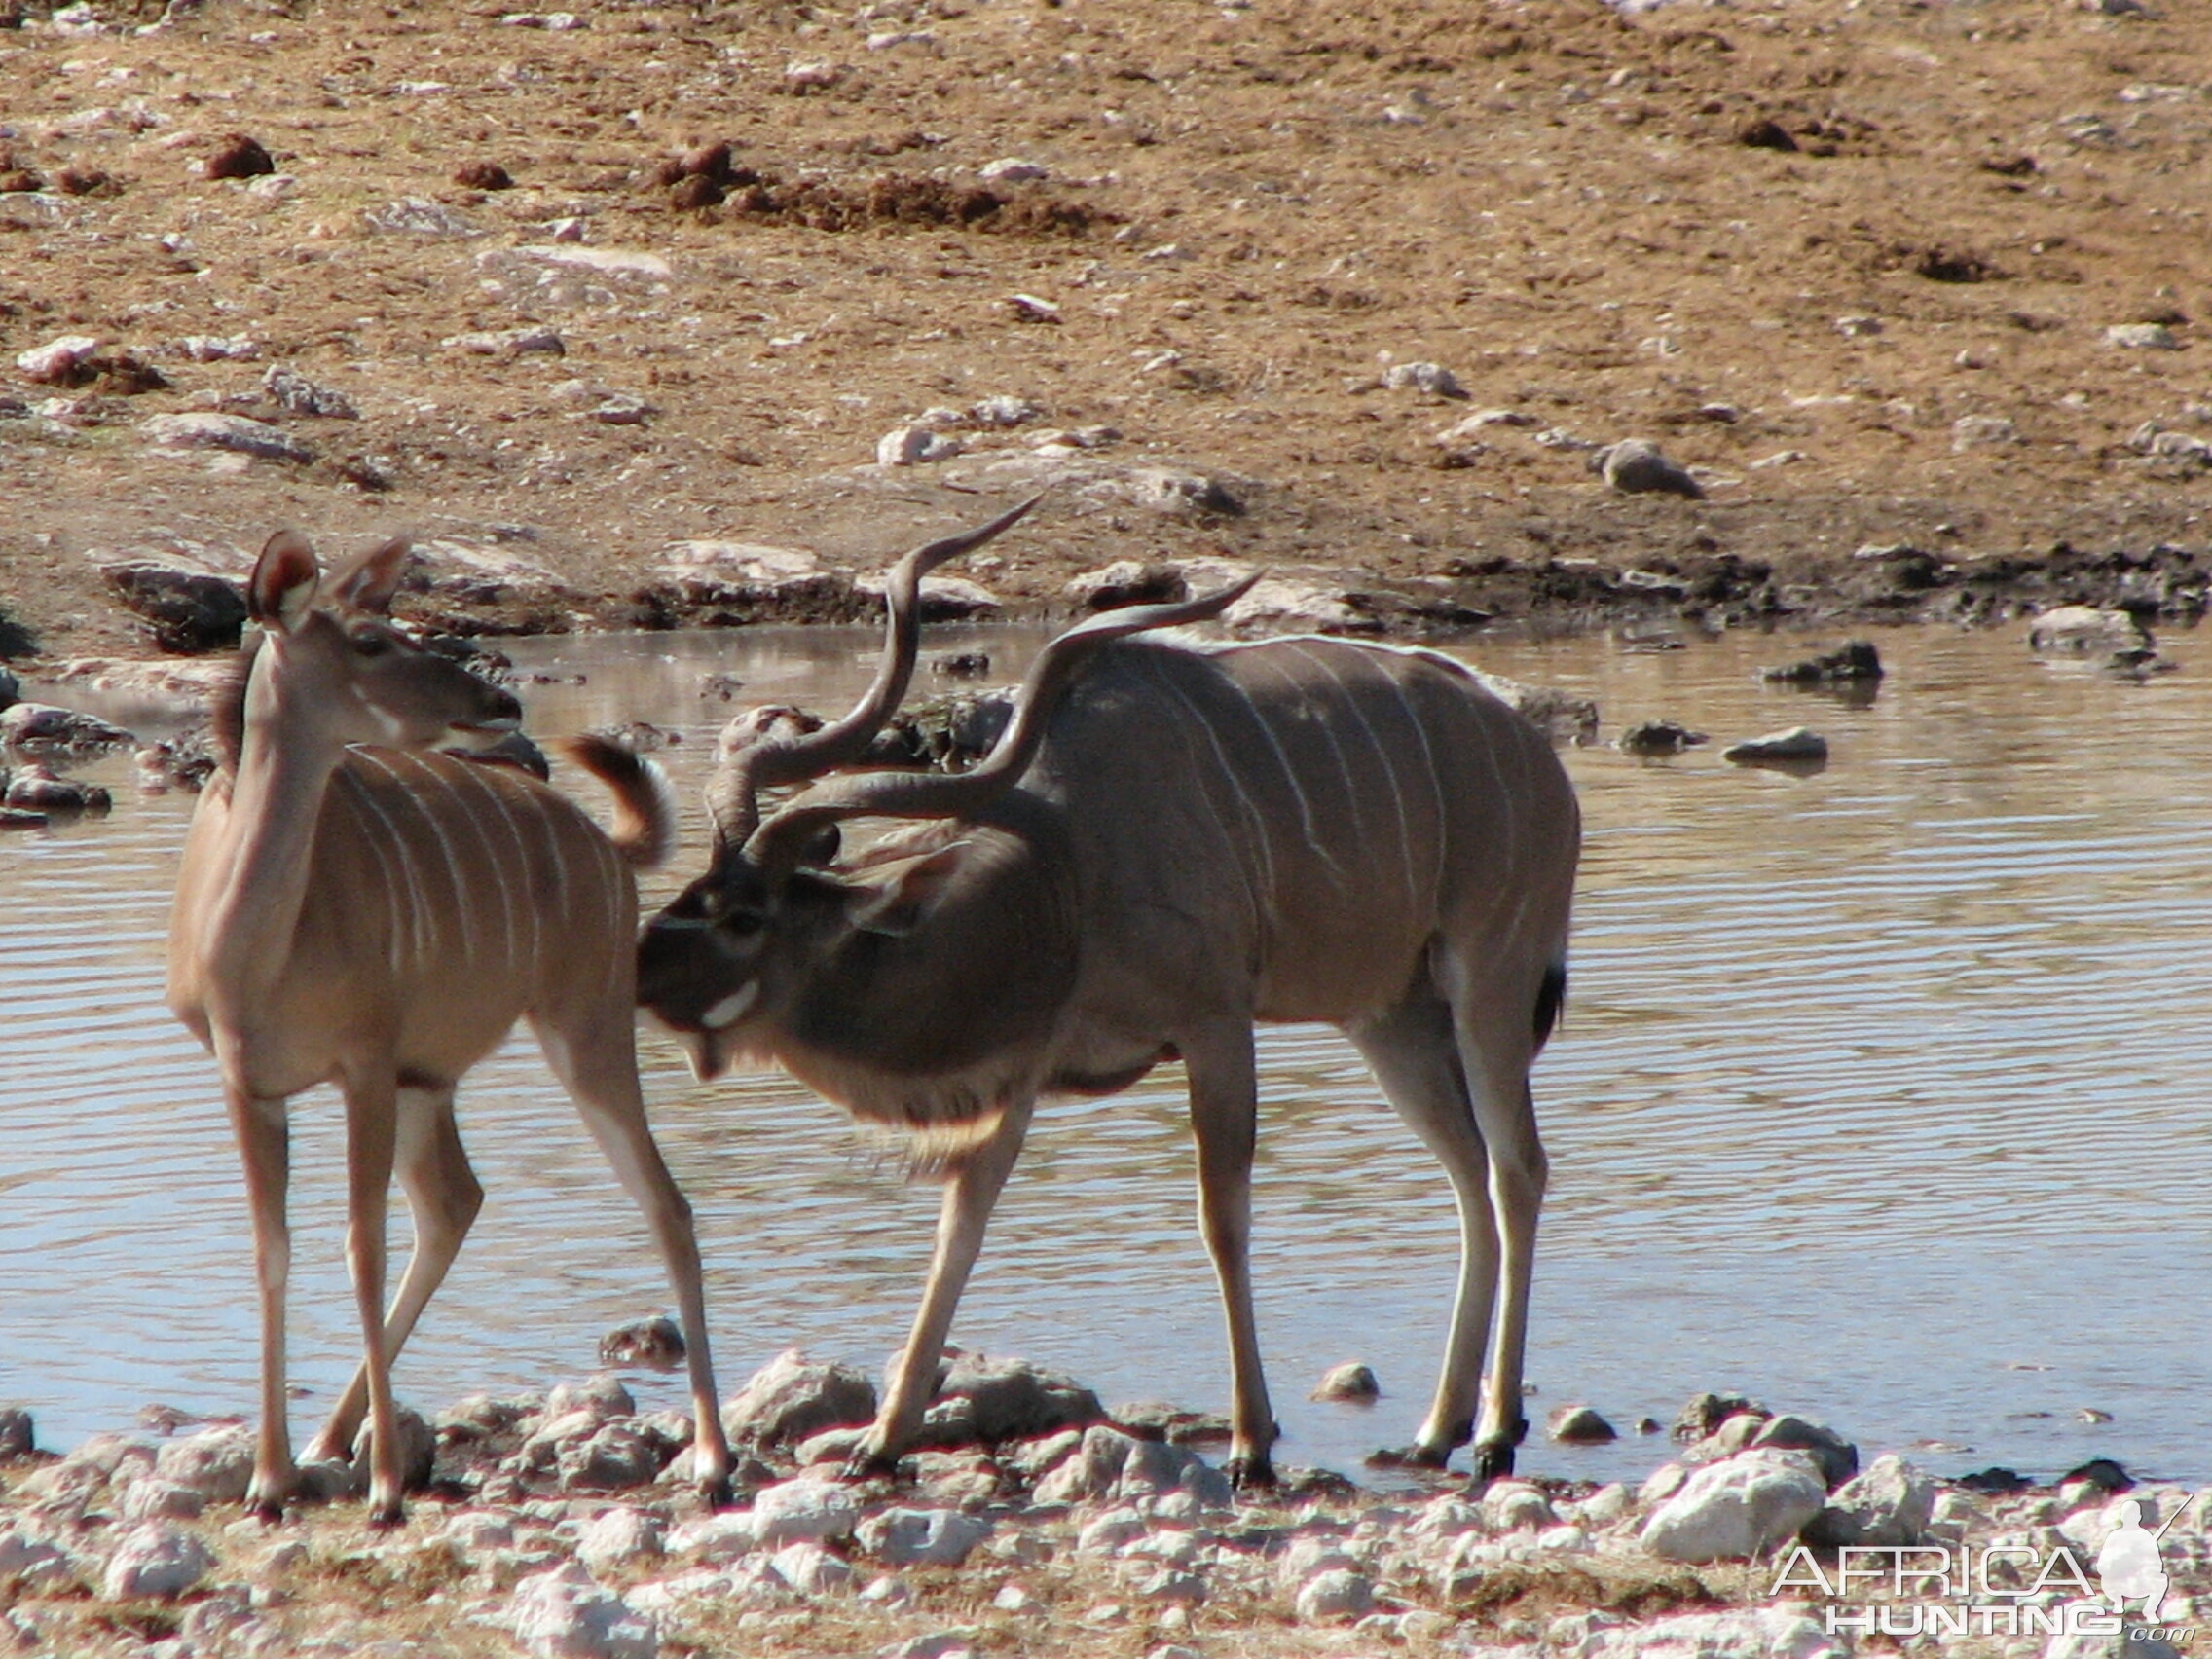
[1882, 1095]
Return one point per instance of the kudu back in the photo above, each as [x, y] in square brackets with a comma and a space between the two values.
[1175, 839]
[357, 906]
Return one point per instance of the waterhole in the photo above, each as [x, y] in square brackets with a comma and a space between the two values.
[1881, 1095]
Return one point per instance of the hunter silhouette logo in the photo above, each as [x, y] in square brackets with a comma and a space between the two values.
[2128, 1563]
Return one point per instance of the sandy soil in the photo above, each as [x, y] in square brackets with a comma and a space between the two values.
[1610, 225]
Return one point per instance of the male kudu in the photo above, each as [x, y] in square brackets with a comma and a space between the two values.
[1175, 838]
[355, 906]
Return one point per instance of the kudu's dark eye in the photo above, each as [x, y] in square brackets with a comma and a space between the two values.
[743, 923]
[371, 644]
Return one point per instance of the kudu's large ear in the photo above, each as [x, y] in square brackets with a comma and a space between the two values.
[895, 907]
[285, 581]
[369, 582]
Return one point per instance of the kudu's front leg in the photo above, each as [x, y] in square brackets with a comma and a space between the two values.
[1225, 1124]
[971, 1191]
[264, 1136]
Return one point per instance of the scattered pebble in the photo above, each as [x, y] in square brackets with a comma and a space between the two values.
[1764, 133]
[656, 1343]
[2082, 630]
[1349, 1381]
[219, 348]
[1578, 1424]
[1982, 431]
[2143, 337]
[483, 175]
[234, 432]
[238, 155]
[1857, 660]
[1434, 379]
[1637, 467]
[915, 446]
[298, 394]
[1004, 410]
[1658, 737]
[419, 216]
[57, 362]
[1797, 746]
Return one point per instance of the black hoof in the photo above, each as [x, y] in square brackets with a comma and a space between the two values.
[872, 1466]
[1251, 1474]
[718, 1493]
[1493, 1460]
[266, 1511]
[386, 1519]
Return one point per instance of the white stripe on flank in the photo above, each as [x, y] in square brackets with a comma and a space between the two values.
[1328, 727]
[1505, 795]
[494, 863]
[1435, 779]
[1397, 790]
[1290, 775]
[353, 794]
[445, 847]
[498, 798]
[418, 913]
[1252, 813]
[561, 897]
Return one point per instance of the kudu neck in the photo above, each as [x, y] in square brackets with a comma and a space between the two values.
[288, 748]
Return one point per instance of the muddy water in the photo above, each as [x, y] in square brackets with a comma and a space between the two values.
[1882, 1095]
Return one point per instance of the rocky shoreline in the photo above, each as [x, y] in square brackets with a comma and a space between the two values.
[186, 600]
[564, 1525]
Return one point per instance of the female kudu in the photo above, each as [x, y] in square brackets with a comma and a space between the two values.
[356, 907]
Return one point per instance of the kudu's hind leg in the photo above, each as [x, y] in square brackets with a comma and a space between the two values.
[371, 1136]
[1225, 1124]
[971, 1192]
[442, 1197]
[1415, 1057]
[595, 1057]
[1497, 1039]
[264, 1136]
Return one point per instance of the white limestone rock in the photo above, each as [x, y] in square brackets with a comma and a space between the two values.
[803, 1511]
[235, 433]
[922, 1537]
[568, 1614]
[1738, 1508]
[621, 1538]
[155, 1559]
[1888, 1503]
[1335, 1596]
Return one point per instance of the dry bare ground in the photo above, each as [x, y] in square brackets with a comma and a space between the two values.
[1608, 225]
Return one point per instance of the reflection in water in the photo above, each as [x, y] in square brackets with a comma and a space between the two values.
[1880, 1097]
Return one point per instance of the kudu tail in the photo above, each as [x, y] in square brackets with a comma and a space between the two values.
[1551, 1002]
[644, 805]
